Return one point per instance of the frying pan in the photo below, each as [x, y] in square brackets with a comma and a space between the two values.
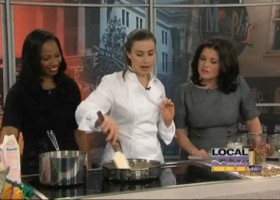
[140, 169]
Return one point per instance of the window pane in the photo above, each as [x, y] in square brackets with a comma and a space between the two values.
[174, 2]
[188, 27]
[138, 2]
[252, 33]
[166, 62]
[277, 12]
[127, 19]
[277, 35]
[181, 2]
[92, 38]
[123, 17]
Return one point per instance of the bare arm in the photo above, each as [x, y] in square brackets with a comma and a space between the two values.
[83, 144]
[186, 145]
[89, 141]
[9, 130]
[254, 125]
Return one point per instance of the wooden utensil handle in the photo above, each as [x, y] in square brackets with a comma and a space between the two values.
[100, 116]
[100, 119]
[117, 147]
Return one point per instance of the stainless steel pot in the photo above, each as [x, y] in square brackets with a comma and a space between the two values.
[140, 169]
[63, 168]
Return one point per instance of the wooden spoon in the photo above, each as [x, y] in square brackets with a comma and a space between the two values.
[119, 158]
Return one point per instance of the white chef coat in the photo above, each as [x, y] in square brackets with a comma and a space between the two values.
[135, 110]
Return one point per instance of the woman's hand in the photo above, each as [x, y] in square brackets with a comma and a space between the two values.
[110, 127]
[167, 111]
[201, 153]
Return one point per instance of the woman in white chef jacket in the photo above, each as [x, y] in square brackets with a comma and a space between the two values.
[133, 104]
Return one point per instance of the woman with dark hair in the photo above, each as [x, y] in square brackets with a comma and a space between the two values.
[43, 98]
[209, 106]
[133, 103]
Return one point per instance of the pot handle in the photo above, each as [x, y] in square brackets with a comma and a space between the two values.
[100, 119]
[175, 163]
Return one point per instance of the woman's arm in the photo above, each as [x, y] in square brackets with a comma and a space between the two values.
[167, 111]
[254, 125]
[186, 145]
[166, 126]
[13, 113]
[84, 144]
[248, 108]
[100, 99]
[181, 121]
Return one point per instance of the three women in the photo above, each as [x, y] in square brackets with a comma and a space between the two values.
[133, 103]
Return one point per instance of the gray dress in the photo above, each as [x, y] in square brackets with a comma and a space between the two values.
[210, 116]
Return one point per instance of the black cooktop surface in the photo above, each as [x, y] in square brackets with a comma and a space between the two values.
[96, 184]
[177, 174]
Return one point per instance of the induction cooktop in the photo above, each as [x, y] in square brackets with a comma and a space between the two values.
[177, 173]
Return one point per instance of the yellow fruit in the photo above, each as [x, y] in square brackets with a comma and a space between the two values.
[10, 192]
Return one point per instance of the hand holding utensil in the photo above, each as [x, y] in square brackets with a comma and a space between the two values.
[109, 127]
[119, 158]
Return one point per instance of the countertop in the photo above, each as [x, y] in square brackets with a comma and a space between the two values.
[265, 188]
[246, 188]
[249, 188]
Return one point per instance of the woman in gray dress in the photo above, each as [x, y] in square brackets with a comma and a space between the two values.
[209, 106]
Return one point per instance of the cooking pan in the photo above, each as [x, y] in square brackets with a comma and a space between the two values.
[140, 169]
[63, 168]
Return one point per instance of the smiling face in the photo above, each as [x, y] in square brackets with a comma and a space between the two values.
[209, 65]
[50, 58]
[142, 56]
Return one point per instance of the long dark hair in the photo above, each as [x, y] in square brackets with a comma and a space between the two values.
[136, 35]
[229, 72]
[31, 72]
